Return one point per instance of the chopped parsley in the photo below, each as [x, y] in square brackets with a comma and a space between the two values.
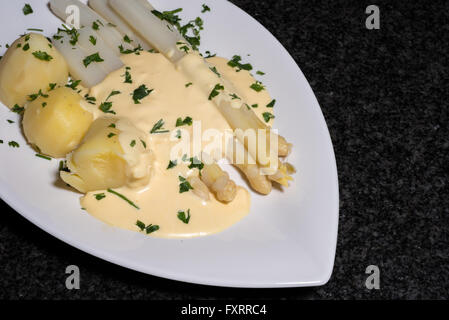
[13, 144]
[51, 86]
[184, 186]
[100, 196]
[34, 96]
[214, 70]
[196, 163]
[127, 39]
[113, 93]
[186, 122]
[140, 93]
[215, 92]
[90, 99]
[43, 157]
[44, 104]
[144, 144]
[111, 134]
[92, 58]
[193, 26]
[205, 8]
[172, 164]
[26, 47]
[96, 24]
[235, 63]
[151, 228]
[73, 84]
[106, 107]
[42, 55]
[267, 116]
[73, 33]
[27, 9]
[260, 73]
[271, 104]
[141, 225]
[183, 46]
[129, 51]
[209, 55]
[132, 144]
[35, 29]
[123, 197]
[127, 76]
[178, 134]
[257, 86]
[158, 127]
[148, 229]
[183, 217]
[10, 121]
[188, 84]
[93, 40]
[18, 109]
[235, 97]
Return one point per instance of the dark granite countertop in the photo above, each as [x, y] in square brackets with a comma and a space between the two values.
[384, 94]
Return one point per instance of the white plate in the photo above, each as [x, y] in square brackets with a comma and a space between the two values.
[287, 240]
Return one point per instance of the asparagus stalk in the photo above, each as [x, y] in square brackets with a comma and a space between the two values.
[92, 44]
[74, 56]
[167, 41]
[102, 8]
[160, 34]
[218, 182]
[89, 18]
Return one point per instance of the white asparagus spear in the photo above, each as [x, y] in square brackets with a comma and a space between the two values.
[74, 56]
[111, 61]
[102, 8]
[234, 110]
[160, 34]
[88, 17]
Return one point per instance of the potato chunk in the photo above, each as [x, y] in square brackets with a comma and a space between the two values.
[109, 157]
[56, 124]
[30, 64]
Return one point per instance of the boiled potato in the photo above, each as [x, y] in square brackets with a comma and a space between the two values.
[56, 123]
[98, 163]
[30, 64]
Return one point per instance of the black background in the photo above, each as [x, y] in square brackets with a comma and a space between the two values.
[384, 94]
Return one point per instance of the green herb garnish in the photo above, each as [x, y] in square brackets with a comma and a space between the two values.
[27, 9]
[133, 144]
[268, 116]
[183, 217]
[43, 157]
[215, 92]
[235, 63]
[100, 196]
[92, 58]
[42, 55]
[18, 109]
[184, 186]
[186, 122]
[271, 104]
[123, 197]
[257, 86]
[172, 164]
[158, 127]
[140, 93]
[127, 76]
[13, 144]
[214, 70]
[205, 8]
[93, 40]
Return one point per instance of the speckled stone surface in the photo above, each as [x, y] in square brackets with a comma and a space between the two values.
[384, 94]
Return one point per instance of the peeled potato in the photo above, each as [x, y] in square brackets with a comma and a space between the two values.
[23, 74]
[56, 124]
[98, 163]
[111, 155]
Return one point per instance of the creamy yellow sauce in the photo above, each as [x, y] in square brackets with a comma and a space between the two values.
[160, 200]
